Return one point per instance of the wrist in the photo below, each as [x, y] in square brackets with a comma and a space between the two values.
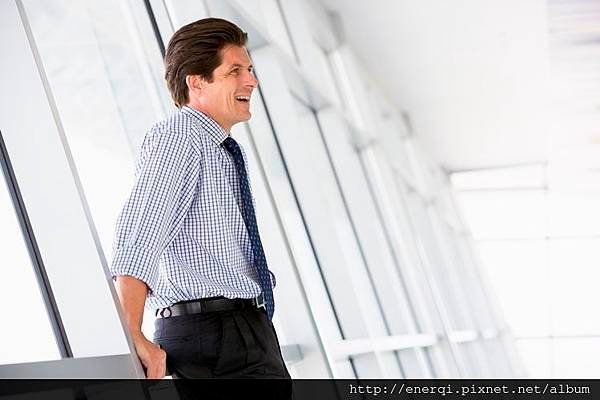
[137, 337]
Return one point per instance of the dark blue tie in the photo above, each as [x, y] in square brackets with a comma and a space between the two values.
[250, 219]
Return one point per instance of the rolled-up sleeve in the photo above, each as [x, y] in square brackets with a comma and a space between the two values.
[165, 182]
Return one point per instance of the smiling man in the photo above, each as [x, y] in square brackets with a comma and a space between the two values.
[187, 245]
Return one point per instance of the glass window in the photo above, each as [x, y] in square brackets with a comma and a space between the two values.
[440, 268]
[464, 283]
[375, 246]
[469, 354]
[104, 68]
[329, 225]
[292, 318]
[26, 333]
[346, 81]
[276, 25]
[392, 146]
[105, 90]
[367, 366]
[300, 245]
[312, 58]
[421, 167]
[342, 262]
[412, 364]
[408, 246]
[358, 197]
[481, 298]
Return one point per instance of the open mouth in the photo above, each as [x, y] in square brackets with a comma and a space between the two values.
[244, 99]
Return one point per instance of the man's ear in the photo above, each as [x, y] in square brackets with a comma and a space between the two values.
[195, 83]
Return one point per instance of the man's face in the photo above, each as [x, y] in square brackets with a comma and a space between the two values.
[227, 98]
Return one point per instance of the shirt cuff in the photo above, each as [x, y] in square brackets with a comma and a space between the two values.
[138, 262]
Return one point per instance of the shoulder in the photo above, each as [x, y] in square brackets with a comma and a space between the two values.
[178, 129]
[177, 124]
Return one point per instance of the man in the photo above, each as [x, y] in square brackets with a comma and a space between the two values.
[187, 245]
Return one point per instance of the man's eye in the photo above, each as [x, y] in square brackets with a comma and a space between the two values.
[235, 71]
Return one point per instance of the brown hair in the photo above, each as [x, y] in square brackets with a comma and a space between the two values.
[195, 49]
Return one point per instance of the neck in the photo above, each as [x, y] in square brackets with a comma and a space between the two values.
[198, 107]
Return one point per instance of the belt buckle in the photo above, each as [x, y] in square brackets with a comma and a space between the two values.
[259, 301]
[161, 312]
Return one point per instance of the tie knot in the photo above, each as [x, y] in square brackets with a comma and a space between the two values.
[231, 145]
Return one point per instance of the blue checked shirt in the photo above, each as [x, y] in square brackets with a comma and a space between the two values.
[181, 230]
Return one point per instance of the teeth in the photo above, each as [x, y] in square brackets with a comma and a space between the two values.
[247, 98]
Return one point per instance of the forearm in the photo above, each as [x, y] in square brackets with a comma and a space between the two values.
[132, 295]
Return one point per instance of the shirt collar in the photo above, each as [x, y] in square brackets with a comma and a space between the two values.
[216, 133]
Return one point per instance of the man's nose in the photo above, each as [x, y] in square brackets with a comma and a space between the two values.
[251, 80]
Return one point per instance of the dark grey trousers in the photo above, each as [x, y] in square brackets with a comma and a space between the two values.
[229, 344]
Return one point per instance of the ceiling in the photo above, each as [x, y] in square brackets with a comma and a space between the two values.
[485, 83]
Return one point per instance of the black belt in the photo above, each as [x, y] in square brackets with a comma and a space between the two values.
[212, 304]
